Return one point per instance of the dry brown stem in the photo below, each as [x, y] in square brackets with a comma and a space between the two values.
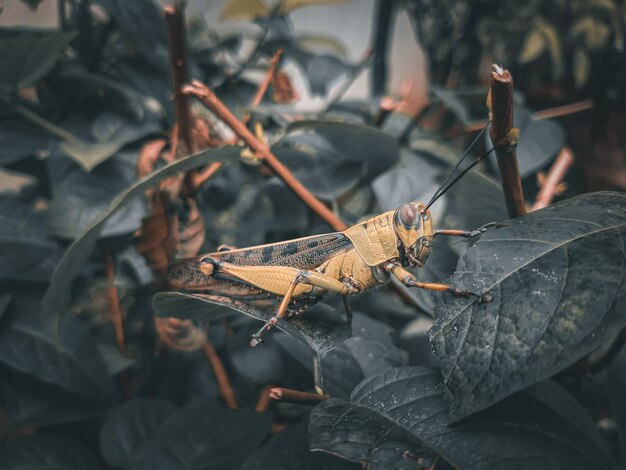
[211, 101]
[556, 174]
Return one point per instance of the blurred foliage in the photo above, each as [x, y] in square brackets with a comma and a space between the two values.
[103, 366]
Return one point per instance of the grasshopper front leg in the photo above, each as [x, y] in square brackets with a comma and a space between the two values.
[467, 233]
[409, 280]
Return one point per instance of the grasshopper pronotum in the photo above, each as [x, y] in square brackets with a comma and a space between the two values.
[299, 272]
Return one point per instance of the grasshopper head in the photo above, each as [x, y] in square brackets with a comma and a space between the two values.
[414, 228]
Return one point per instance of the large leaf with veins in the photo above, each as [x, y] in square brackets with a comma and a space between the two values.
[557, 281]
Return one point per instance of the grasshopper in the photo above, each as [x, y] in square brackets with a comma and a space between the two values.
[289, 276]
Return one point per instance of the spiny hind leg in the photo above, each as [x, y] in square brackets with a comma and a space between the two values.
[312, 278]
[409, 280]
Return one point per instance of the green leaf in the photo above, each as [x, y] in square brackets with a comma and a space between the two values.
[557, 281]
[57, 297]
[74, 366]
[399, 419]
[203, 436]
[319, 328]
[45, 452]
[28, 56]
[129, 426]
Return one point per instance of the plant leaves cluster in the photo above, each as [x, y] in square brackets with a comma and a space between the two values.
[103, 366]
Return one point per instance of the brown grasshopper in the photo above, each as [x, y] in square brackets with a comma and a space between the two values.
[293, 274]
[299, 272]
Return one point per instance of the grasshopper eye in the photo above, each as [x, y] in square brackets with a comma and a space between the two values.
[408, 215]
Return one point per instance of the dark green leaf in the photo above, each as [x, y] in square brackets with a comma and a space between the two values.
[557, 281]
[21, 140]
[331, 157]
[57, 297]
[27, 253]
[323, 71]
[399, 419]
[28, 56]
[142, 25]
[75, 366]
[78, 197]
[369, 351]
[28, 401]
[203, 437]
[260, 365]
[129, 426]
[616, 391]
[289, 450]
[320, 327]
[46, 452]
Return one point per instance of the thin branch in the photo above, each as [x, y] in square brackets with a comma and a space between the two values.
[363, 63]
[114, 304]
[220, 374]
[297, 397]
[204, 94]
[563, 110]
[115, 313]
[504, 139]
[385, 14]
[264, 400]
[269, 75]
[556, 174]
[175, 21]
[548, 113]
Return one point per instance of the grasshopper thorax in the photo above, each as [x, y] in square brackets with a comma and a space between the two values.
[414, 228]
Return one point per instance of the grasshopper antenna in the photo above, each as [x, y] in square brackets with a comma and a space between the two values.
[441, 191]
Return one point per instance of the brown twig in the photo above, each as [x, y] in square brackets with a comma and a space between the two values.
[556, 174]
[114, 304]
[204, 94]
[220, 374]
[548, 113]
[295, 396]
[563, 110]
[504, 139]
[269, 75]
[264, 399]
[116, 319]
[175, 21]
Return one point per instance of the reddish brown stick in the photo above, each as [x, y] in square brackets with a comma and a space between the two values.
[175, 21]
[264, 400]
[114, 304]
[297, 397]
[501, 92]
[548, 113]
[556, 174]
[220, 374]
[116, 319]
[269, 75]
[204, 94]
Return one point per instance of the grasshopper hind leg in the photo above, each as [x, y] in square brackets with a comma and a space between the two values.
[312, 278]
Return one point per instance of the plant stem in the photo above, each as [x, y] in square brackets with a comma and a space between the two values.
[501, 93]
[269, 74]
[220, 374]
[115, 313]
[175, 21]
[556, 174]
[208, 98]
[295, 396]
[385, 15]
